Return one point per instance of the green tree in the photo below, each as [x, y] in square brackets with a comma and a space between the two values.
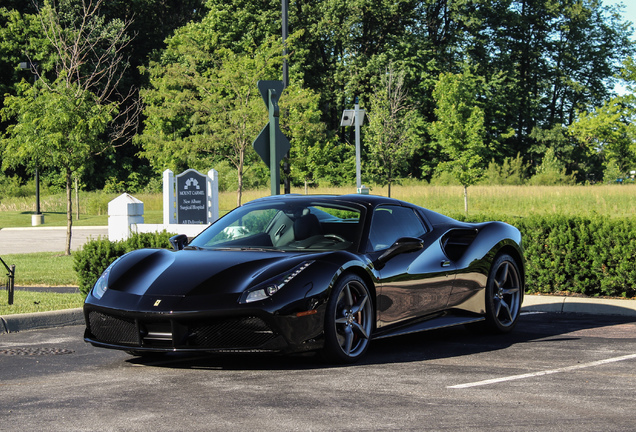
[609, 132]
[238, 113]
[551, 172]
[21, 40]
[301, 121]
[331, 162]
[612, 173]
[62, 127]
[391, 134]
[511, 172]
[628, 76]
[576, 157]
[60, 122]
[459, 128]
[205, 107]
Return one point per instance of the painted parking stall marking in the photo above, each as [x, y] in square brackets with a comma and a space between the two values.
[542, 373]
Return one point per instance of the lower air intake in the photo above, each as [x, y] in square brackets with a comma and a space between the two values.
[113, 330]
[249, 332]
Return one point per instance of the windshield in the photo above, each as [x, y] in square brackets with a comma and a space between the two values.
[285, 226]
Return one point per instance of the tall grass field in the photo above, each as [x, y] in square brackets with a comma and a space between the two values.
[509, 201]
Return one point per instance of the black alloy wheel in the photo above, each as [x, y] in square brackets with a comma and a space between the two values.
[504, 294]
[348, 320]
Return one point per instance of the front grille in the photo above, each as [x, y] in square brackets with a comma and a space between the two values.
[115, 330]
[231, 333]
[246, 333]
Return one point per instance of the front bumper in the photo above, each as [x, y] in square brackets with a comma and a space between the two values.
[195, 332]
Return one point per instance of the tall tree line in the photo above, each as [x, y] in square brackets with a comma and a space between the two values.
[546, 71]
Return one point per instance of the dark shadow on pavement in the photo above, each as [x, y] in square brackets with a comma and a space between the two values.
[444, 343]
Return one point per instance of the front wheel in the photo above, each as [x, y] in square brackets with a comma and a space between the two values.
[504, 294]
[348, 320]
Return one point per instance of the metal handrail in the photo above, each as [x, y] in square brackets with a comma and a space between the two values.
[11, 281]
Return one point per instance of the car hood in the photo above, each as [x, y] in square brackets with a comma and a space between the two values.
[161, 272]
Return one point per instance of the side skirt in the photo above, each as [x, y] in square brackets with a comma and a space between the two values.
[437, 323]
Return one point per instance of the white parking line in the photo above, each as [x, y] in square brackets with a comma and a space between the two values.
[541, 373]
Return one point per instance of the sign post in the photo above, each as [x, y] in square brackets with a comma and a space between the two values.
[10, 281]
[355, 117]
[271, 144]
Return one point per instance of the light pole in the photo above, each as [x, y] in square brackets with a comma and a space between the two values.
[355, 117]
[285, 22]
[38, 217]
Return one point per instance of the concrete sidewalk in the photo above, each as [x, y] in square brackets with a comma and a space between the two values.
[531, 303]
[581, 305]
[46, 239]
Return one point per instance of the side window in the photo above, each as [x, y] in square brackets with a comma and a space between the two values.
[390, 223]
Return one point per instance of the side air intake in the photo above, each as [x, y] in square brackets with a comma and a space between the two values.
[456, 242]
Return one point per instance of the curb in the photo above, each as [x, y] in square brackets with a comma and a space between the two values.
[531, 303]
[40, 320]
[581, 305]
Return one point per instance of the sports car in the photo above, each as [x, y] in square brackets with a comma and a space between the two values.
[291, 273]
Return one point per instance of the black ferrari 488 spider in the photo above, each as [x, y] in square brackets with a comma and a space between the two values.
[309, 273]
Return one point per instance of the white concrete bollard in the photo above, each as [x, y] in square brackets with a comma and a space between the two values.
[124, 211]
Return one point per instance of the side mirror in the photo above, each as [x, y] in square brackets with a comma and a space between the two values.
[402, 245]
[179, 241]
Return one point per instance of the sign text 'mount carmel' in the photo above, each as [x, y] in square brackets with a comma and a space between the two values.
[192, 203]
[190, 197]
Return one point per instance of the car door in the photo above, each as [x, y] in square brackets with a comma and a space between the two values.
[412, 284]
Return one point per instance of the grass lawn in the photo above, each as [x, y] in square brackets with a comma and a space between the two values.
[42, 269]
[30, 301]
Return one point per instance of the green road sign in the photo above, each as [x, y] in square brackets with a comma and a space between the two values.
[271, 144]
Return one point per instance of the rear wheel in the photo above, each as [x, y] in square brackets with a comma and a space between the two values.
[503, 294]
[348, 321]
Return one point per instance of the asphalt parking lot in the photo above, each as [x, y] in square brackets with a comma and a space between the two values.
[555, 372]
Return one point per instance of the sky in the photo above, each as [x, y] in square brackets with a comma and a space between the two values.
[629, 11]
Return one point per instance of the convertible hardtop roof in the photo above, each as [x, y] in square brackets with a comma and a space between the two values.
[368, 201]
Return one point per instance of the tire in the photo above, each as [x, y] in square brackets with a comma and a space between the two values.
[348, 321]
[504, 294]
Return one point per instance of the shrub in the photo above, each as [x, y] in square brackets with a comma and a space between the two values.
[551, 172]
[444, 178]
[96, 255]
[592, 256]
[511, 172]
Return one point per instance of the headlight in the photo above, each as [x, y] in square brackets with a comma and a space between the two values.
[272, 286]
[101, 285]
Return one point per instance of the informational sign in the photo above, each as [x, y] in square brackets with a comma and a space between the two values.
[192, 203]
